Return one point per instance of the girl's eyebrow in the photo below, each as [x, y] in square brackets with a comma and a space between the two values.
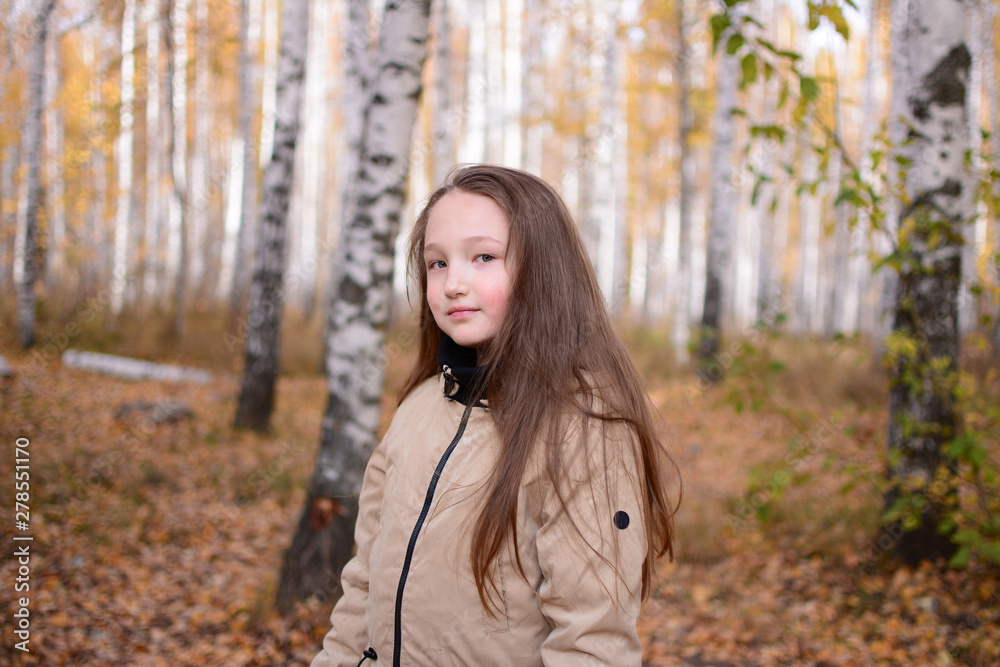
[467, 241]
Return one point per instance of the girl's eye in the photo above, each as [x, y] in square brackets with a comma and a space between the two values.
[486, 257]
[435, 264]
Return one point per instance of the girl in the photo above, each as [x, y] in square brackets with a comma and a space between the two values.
[512, 513]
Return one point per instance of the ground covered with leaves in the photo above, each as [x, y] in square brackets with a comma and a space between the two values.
[160, 543]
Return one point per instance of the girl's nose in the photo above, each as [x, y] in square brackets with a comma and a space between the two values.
[455, 285]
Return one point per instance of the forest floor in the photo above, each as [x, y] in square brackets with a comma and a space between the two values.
[161, 544]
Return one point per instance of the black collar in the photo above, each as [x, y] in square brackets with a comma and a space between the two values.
[463, 379]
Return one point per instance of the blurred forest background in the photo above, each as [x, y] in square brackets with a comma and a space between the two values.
[791, 207]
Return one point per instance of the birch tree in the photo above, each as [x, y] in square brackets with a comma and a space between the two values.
[931, 62]
[94, 60]
[55, 131]
[722, 214]
[175, 30]
[200, 191]
[270, 74]
[123, 212]
[836, 321]
[682, 303]
[154, 155]
[473, 145]
[26, 243]
[992, 103]
[512, 54]
[262, 344]
[858, 270]
[361, 310]
[8, 164]
[357, 70]
[315, 129]
[444, 126]
[602, 213]
[234, 278]
[532, 88]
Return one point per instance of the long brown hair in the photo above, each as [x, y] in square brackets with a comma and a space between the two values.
[557, 333]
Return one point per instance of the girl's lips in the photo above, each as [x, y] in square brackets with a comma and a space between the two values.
[461, 313]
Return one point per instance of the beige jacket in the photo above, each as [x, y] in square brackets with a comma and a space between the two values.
[422, 607]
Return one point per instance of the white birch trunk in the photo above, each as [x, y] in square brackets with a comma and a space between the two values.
[26, 244]
[177, 246]
[237, 168]
[684, 282]
[932, 59]
[249, 38]
[887, 279]
[838, 320]
[620, 175]
[855, 308]
[532, 88]
[993, 106]
[151, 251]
[810, 211]
[473, 146]
[93, 60]
[587, 53]
[357, 71]
[270, 74]
[494, 97]
[658, 266]
[722, 215]
[201, 191]
[601, 213]
[360, 315]
[234, 211]
[262, 344]
[974, 97]
[55, 265]
[512, 82]
[123, 212]
[314, 134]
[443, 117]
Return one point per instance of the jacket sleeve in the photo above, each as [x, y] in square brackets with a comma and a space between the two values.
[348, 638]
[591, 548]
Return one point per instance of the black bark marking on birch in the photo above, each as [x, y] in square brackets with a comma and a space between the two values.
[951, 188]
[944, 85]
[351, 292]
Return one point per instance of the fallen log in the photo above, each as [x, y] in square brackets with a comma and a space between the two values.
[133, 369]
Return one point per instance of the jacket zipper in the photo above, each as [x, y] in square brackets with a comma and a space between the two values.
[398, 630]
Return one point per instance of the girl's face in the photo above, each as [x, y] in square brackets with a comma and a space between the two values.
[465, 253]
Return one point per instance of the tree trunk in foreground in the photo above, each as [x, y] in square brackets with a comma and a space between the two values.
[26, 246]
[722, 218]
[360, 315]
[262, 346]
[124, 210]
[936, 207]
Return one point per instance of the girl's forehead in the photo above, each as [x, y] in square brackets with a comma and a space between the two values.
[466, 214]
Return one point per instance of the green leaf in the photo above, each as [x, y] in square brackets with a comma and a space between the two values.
[809, 88]
[749, 66]
[961, 558]
[719, 23]
[734, 43]
[835, 15]
[851, 196]
[813, 15]
[992, 551]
